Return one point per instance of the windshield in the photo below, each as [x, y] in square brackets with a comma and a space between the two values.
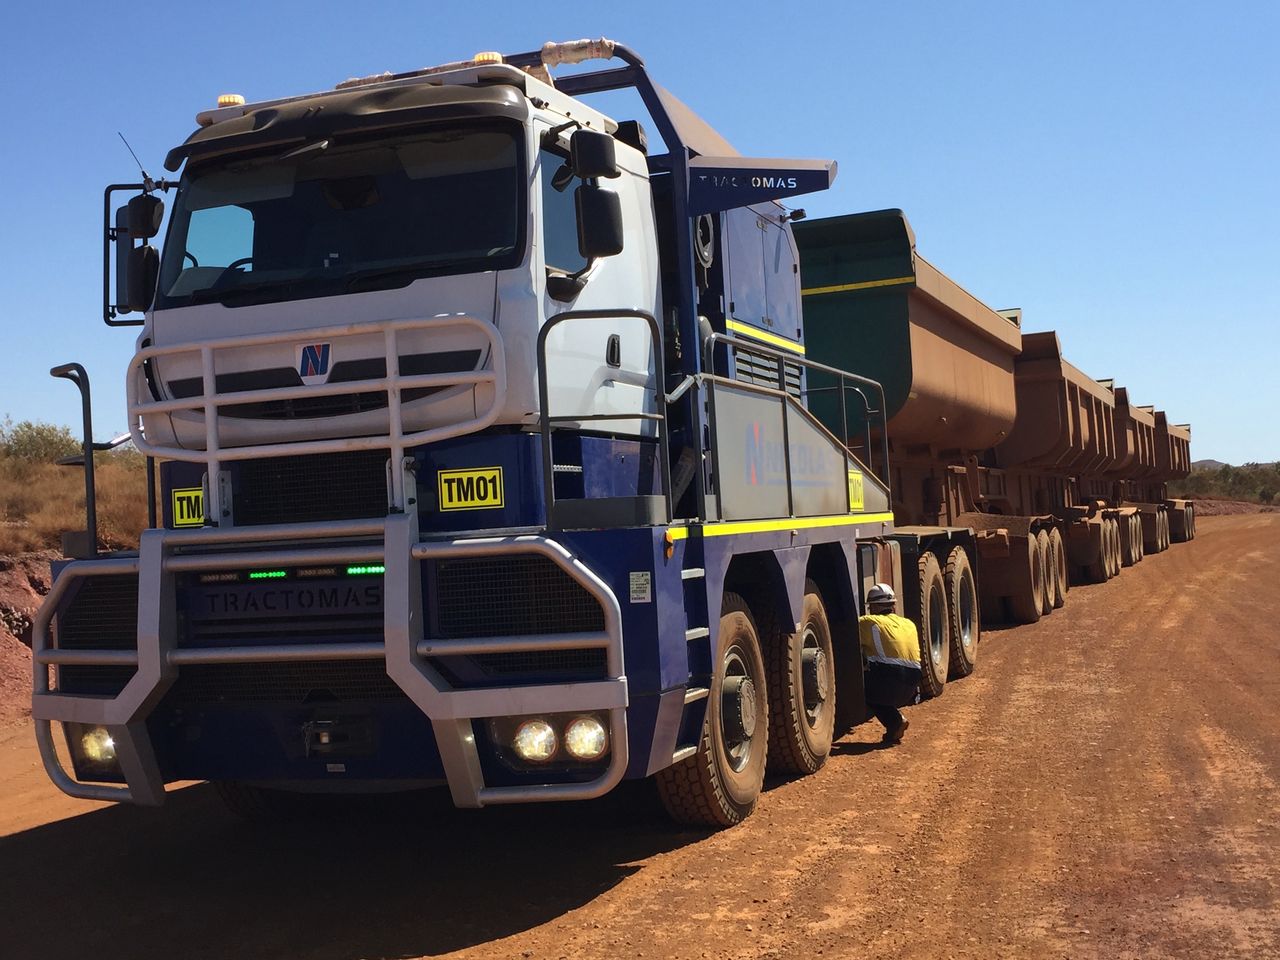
[326, 219]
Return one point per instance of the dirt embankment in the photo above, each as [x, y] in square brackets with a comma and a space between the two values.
[1229, 508]
[24, 580]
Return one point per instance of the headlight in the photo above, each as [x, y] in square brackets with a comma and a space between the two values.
[535, 741]
[586, 738]
[97, 746]
[93, 752]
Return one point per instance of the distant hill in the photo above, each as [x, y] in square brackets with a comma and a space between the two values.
[1207, 464]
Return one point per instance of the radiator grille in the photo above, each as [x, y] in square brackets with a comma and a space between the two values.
[305, 681]
[102, 615]
[762, 371]
[336, 486]
[94, 681]
[511, 596]
[329, 628]
[586, 663]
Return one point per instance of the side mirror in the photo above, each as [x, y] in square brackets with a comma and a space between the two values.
[145, 213]
[599, 221]
[142, 272]
[592, 155]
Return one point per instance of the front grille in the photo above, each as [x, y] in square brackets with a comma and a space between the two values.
[304, 681]
[334, 486]
[330, 628]
[510, 596]
[347, 371]
[94, 681]
[102, 615]
[584, 664]
[762, 371]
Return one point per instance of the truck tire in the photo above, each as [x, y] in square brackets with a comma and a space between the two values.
[962, 603]
[1047, 577]
[1127, 556]
[1139, 546]
[935, 653]
[1113, 541]
[1058, 552]
[800, 668]
[719, 785]
[1024, 605]
[1191, 519]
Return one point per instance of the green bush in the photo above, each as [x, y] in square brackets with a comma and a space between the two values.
[36, 442]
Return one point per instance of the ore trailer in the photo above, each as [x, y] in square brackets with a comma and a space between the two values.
[501, 447]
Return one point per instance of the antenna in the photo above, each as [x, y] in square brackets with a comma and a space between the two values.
[148, 185]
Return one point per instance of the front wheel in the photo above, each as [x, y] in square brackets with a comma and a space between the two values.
[719, 785]
[802, 691]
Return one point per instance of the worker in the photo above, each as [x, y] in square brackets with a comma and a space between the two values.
[891, 646]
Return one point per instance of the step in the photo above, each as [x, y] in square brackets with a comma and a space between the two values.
[683, 753]
[694, 694]
[696, 633]
[693, 573]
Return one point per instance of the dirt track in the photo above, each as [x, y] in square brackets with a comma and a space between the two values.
[1104, 786]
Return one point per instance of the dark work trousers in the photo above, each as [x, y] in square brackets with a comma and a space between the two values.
[889, 686]
[891, 717]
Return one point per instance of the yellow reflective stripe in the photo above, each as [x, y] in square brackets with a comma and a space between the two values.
[865, 285]
[728, 528]
[782, 343]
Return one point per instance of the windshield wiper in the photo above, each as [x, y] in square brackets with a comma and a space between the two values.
[383, 278]
[223, 294]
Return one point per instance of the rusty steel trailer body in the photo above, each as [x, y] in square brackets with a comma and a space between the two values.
[989, 428]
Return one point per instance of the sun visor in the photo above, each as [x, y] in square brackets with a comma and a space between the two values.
[359, 111]
[724, 183]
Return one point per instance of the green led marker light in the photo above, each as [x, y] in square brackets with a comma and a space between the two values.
[361, 571]
[266, 574]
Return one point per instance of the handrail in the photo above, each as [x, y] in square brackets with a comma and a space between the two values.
[546, 422]
[209, 402]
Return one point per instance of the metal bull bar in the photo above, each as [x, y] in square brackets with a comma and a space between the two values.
[394, 541]
[142, 401]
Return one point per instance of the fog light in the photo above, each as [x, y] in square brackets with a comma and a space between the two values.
[586, 738]
[535, 741]
[98, 746]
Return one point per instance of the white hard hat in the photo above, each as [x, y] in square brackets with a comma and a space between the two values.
[881, 595]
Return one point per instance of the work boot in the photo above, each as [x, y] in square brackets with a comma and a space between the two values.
[894, 736]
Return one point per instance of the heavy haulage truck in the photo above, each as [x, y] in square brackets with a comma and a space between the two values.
[492, 450]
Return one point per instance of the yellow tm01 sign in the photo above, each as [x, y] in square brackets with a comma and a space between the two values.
[855, 490]
[188, 507]
[477, 489]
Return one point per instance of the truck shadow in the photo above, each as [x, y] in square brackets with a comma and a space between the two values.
[370, 877]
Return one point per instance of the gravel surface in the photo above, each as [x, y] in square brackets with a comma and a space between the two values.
[1104, 786]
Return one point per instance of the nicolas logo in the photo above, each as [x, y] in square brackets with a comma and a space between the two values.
[313, 362]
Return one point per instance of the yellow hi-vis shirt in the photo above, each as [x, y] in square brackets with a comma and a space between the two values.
[889, 638]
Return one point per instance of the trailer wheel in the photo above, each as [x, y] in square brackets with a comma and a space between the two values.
[1115, 546]
[1098, 571]
[1025, 604]
[1058, 553]
[934, 620]
[1191, 520]
[1164, 530]
[1047, 577]
[962, 601]
[719, 785]
[802, 690]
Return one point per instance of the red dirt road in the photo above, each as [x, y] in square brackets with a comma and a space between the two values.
[1104, 786]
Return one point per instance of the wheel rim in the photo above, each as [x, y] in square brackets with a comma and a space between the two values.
[738, 709]
[814, 681]
[937, 626]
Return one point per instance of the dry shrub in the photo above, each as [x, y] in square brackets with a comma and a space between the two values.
[39, 501]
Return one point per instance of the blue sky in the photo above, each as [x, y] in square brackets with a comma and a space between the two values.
[1111, 168]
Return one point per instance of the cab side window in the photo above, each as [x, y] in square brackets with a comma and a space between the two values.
[559, 218]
